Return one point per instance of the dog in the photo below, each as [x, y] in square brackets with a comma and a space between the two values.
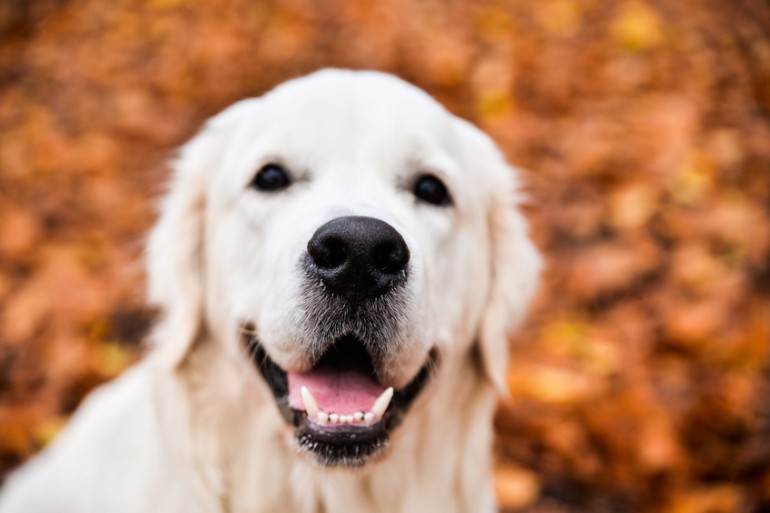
[337, 264]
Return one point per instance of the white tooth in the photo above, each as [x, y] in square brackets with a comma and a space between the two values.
[333, 418]
[358, 416]
[368, 417]
[311, 407]
[345, 419]
[323, 418]
[382, 402]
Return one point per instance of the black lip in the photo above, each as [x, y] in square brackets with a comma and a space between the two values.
[350, 446]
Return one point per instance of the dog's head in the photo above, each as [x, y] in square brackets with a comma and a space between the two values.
[351, 238]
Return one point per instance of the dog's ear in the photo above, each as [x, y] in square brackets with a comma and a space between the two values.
[514, 260]
[174, 253]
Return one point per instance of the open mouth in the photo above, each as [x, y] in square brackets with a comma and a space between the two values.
[341, 412]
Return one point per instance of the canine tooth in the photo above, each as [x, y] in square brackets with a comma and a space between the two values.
[368, 417]
[382, 402]
[358, 416]
[311, 407]
[323, 418]
[334, 418]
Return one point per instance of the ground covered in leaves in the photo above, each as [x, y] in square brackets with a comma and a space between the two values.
[640, 382]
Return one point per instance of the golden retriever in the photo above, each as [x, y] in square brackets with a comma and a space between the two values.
[338, 264]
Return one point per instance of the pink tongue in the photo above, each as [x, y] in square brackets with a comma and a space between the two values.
[335, 391]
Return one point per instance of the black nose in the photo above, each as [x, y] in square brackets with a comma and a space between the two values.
[358, 256]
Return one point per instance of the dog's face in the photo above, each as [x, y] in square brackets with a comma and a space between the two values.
[347, 235]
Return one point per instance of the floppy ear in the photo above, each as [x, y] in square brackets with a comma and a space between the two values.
[175, 246]
[515, 269]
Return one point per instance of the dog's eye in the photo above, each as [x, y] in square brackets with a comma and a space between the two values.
[430, 189]
[271, 177]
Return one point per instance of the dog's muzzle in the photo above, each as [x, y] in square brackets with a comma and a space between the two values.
[342, 407]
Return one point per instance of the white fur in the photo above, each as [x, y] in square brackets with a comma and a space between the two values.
[194, 428]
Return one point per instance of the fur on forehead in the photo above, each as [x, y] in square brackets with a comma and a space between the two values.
[337, 117]
[342, 89]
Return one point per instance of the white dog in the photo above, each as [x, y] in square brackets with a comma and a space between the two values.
[338, 264]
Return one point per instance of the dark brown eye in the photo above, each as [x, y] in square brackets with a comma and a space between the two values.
[431, 190]
[271, 177]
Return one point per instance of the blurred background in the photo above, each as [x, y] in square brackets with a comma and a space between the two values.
[641, 381]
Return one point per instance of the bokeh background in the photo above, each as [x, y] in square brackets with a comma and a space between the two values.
[641, 381]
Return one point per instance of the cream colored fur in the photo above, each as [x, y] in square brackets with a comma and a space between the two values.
[194, 428]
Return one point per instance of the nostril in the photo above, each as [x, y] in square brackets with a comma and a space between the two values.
[389, 257]
[327, 252]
